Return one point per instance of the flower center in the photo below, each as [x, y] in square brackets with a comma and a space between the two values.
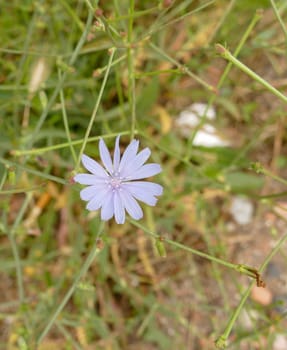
[115, 181]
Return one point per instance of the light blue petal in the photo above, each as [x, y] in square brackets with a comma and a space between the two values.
[117, 154]
[93, 166]
[107, 210]
[144, 171]
[97, 201]
[131, 205]
[144, 191]
[88, 179]
[136, 163]
[89, 192]
[105, 156]
[145, 186]
[119, 209]
[129, 154]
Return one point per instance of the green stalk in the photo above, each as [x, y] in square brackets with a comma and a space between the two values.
[21, 190]
[36, 151]
[68, 336]
[244, 269]
[182, 68]
[261, 170]
[66, 124]
[11, 235]
[221, 342]
[131, 75]
[34, 172]
[258, 15]
[93, 253]
[181, 9]
[85, 140]
[221, 21]
[61, 81]
[229, 57]
[273, 176]
[90, 6]
[72, 13]
[16, 255]
[277, 14]
[3, 179]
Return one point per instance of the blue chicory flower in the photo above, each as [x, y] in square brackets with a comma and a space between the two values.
[114, 188]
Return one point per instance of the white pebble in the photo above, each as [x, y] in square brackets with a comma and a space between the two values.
[241, 210]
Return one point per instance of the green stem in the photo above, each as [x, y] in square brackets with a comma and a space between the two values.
[277, 14]
[115, 62]
[19, 275]
[21, 190]
[273, 176]
[19, 153]
[182, 68]
[90, 6]
[34, 172]
[3, 179]
[131, 20]
[221, 341]
[85, 140]
[66, 124]
[16, 255]
[61, 81]
[237, 267]
[272, 195]
[229, 57]
[94, 252]
[132, 88]
[72, 13]
[157, 27]
[261, 170]
[158, 72]
[68, 336]
[258, 15]
[221, 21]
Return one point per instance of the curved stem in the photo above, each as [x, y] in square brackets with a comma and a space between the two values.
[237, 267]
[229, 57]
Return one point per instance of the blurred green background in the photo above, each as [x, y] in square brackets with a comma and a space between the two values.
[165, 73]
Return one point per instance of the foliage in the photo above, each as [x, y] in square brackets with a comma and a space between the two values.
[75, 71]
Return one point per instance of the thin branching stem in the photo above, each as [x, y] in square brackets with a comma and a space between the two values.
[72, 60]
[88, 262]
[237, 267]
[280, 20]
[11, 235]
[37, 151]
[66, 123]
[131, 74]
[229, 57]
